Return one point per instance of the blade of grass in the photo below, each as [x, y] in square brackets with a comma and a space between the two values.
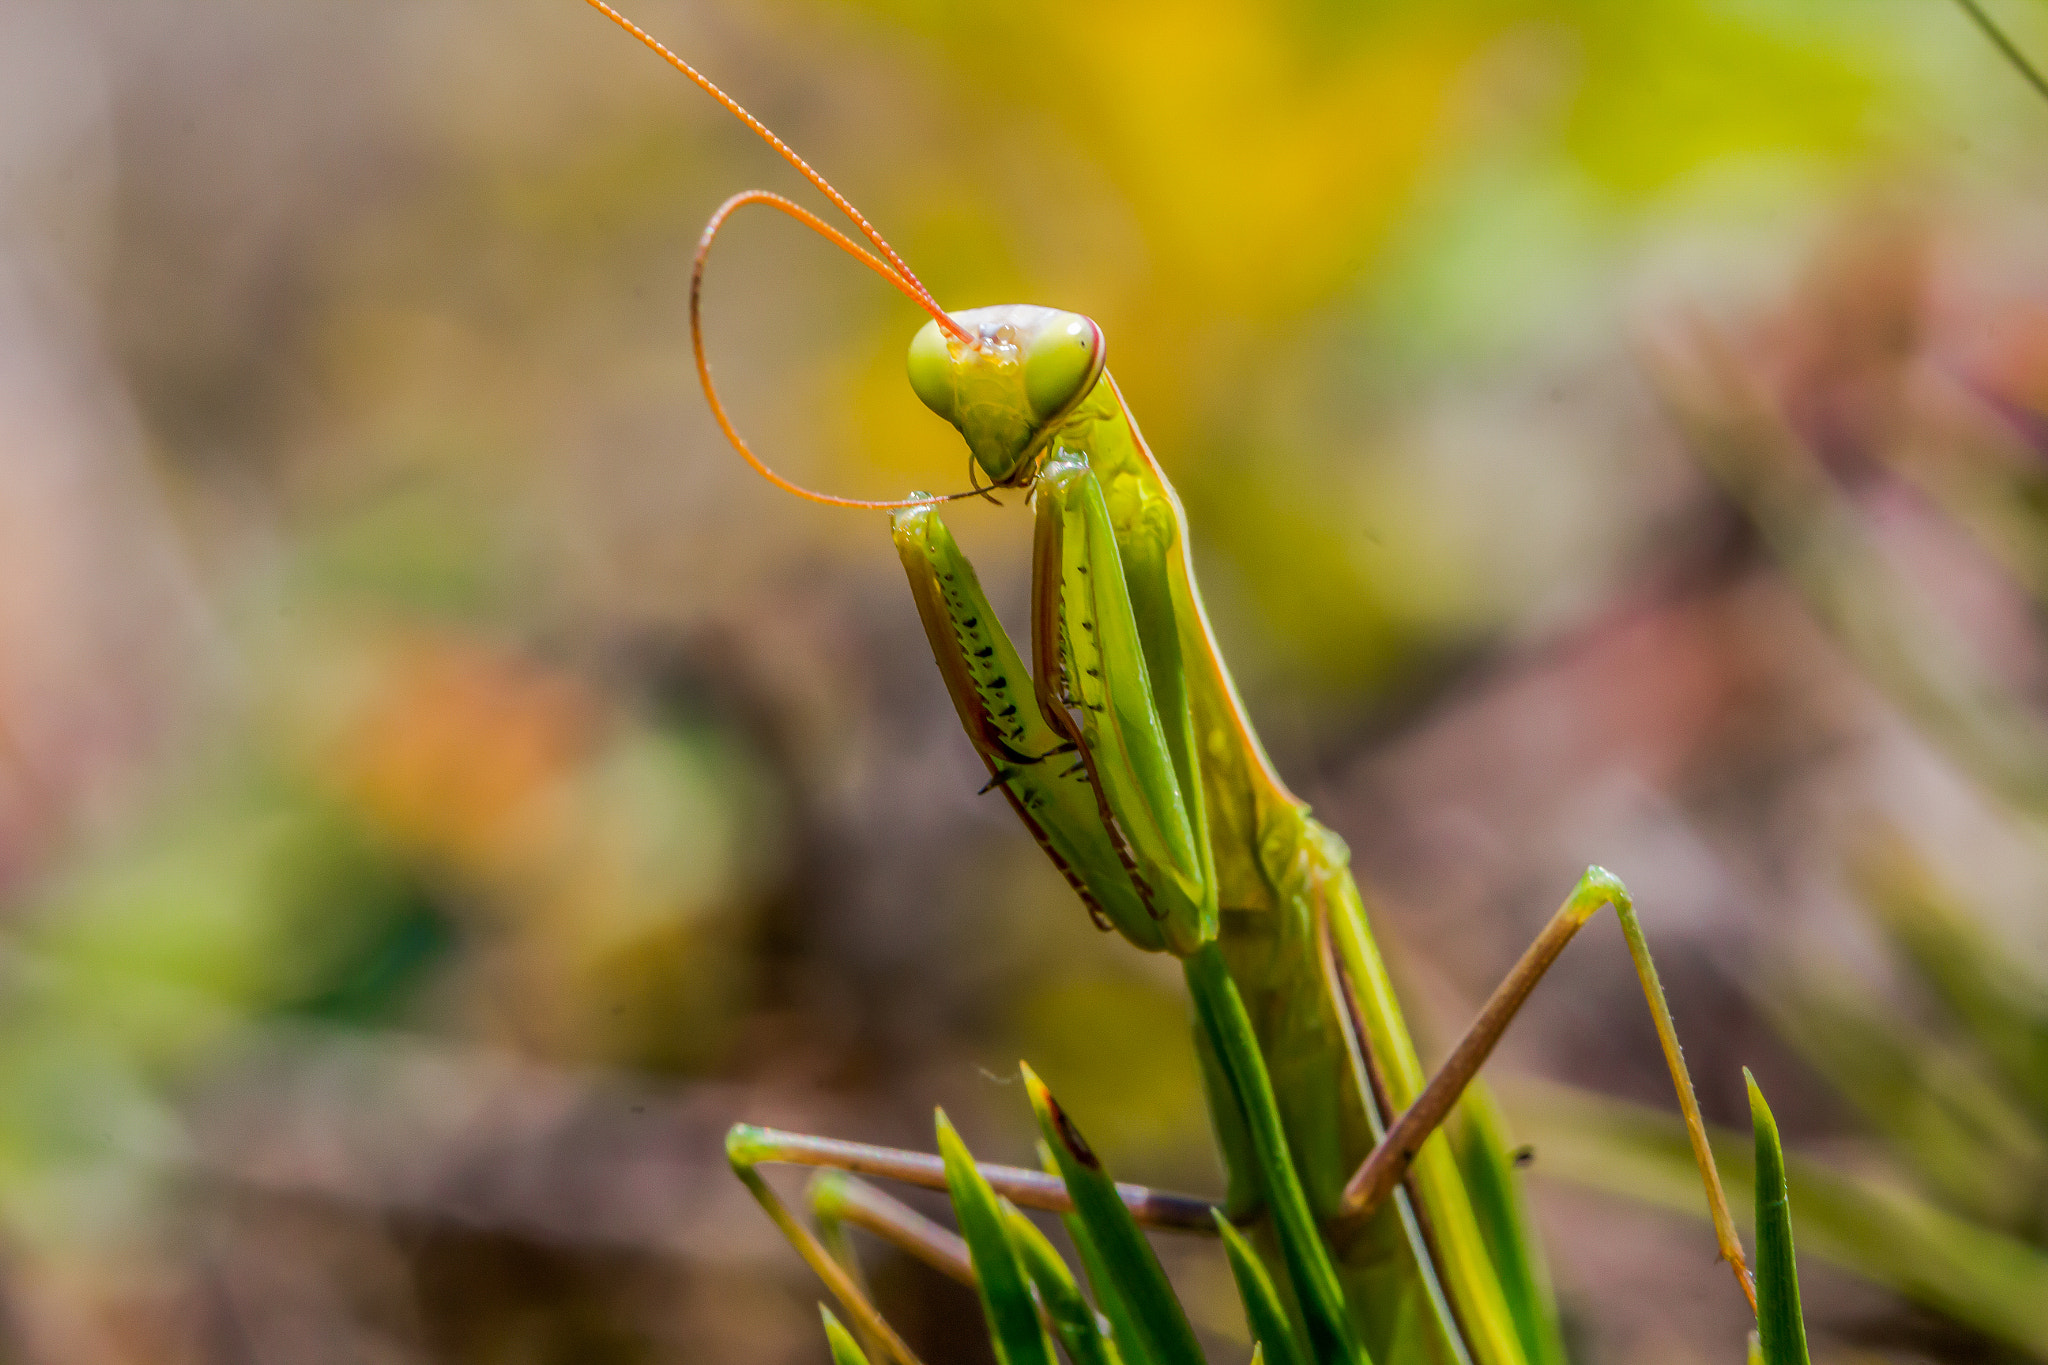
[1781, 1330]
[1936, 1105]
[1272, 1333]
[1128, 1262]
[2002, 1006]
[1075, 1322]
[1481, 1144]
[1879, 1230]
[1309, 1267]
[1123, 1328]
[1013, 1326]
[844, 1350]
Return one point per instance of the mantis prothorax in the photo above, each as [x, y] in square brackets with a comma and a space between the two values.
[1126, 751]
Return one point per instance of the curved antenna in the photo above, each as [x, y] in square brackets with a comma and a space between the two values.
[843, 242]
[903, 274]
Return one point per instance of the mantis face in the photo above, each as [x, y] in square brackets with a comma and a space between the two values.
[1028, 369]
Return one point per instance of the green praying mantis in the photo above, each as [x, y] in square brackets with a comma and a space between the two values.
[1386, 1198]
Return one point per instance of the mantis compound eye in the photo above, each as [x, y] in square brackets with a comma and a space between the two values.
[1029, 369]
[1062, 362]
[931, 369]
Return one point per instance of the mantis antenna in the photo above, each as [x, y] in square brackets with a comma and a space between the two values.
[893, 269]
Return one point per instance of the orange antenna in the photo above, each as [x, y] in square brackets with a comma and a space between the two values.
[902, 274]
[895, 270]
[820, 226]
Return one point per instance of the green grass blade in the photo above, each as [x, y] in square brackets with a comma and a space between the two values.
[2000, 1004]
[1309, 1267]
[1482, 1147]
[1780, 1328]
[1013, 1325]
[1243, 1195]
[1129, 1264]
[1123, 1328]
[1935, 1105]
[1073, 1319]
[1272, 1333]
[844, 1349]
[1876, 1228]
[826, 1197]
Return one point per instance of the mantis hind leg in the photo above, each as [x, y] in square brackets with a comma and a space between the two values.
[840, 1272]
[1385, 1168]
[839, 1201]
[748, 1147]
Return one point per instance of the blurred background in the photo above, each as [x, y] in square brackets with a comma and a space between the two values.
[441, 789]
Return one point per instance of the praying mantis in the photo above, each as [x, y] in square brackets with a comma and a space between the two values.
[1386, 1198]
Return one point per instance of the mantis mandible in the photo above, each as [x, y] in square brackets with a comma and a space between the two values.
[1386, 1197]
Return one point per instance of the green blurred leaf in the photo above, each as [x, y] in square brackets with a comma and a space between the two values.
[1879, 1230]
[1931, 1104]
[2004, 1009]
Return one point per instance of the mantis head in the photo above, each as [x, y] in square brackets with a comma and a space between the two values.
[1026, 371]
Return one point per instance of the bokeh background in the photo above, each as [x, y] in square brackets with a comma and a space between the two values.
[441, 789]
